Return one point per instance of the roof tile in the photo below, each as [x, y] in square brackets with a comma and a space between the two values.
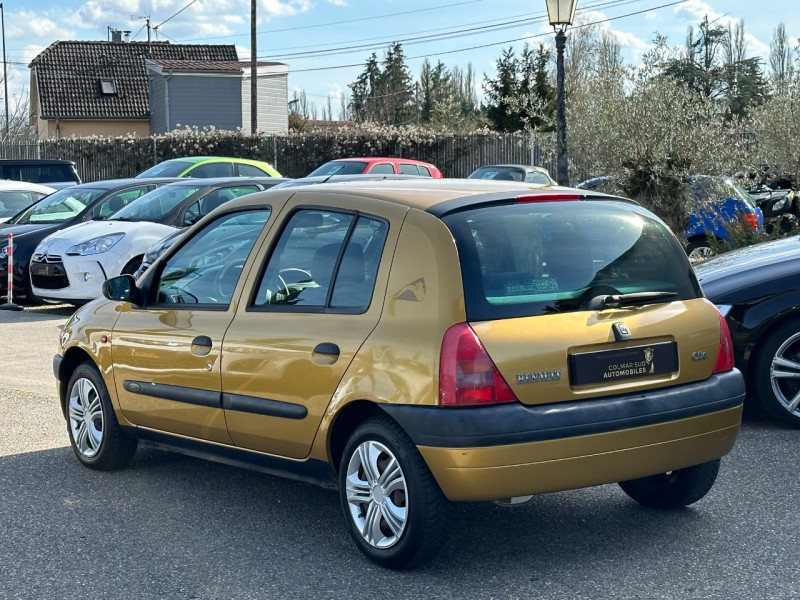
[68, 75]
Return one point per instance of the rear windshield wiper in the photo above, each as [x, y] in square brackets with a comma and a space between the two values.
[618, 300]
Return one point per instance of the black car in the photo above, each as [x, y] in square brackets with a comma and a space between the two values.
[59, 210]
[757, 289]
[54, 172]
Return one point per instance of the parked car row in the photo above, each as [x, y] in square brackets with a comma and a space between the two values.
[68, 244]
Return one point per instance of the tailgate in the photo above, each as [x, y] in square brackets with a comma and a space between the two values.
[569, 356]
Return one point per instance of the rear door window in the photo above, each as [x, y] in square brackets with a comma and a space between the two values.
[215, 169]
[382, 169]
[409, 169]
[529, 259]
[246, 170]
[323, 259]
[119, 199]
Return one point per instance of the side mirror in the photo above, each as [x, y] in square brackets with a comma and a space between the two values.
[122, 288]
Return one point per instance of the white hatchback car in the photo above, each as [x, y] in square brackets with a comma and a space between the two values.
[71, 265]
[16, 196]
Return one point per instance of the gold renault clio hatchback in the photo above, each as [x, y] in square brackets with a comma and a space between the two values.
[414, 343]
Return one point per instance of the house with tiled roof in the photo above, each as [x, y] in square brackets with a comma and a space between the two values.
[224, 86]
[81, 88]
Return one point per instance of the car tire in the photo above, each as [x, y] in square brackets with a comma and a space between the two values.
[674, 489]
[94, 433]
[775, 371]
[394, 509]
[699, 250]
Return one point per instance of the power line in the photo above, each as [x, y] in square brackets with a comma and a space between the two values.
[176, 14]
[442, 53]
[504, 22]
[348, 21]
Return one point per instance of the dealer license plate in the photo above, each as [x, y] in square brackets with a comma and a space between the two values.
[607, 366]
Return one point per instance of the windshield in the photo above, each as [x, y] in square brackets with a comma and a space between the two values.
[59, 206]
[168, 168]
[533, 259]
[340, 167]
[155, 205]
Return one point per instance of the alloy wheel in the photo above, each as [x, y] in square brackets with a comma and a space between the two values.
[86, 420]
[785, 374]
[377, 495]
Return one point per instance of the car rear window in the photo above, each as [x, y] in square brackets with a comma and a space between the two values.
[502, 173]
[539, 258]
[41, 173]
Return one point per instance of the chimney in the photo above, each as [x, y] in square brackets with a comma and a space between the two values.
[116, 36]
[127, 37]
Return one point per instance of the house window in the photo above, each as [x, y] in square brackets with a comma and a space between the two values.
[108, 87]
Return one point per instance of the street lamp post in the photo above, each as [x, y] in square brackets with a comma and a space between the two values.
[561, 13]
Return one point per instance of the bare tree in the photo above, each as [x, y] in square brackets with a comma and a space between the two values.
[780, 59]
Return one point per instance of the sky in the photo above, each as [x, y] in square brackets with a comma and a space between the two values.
[326, 43]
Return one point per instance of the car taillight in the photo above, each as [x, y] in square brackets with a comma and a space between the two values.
[725, 354]
[750, 221]
[546, 197]
[467, 376]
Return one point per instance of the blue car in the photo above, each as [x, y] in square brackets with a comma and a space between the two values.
[717, 201]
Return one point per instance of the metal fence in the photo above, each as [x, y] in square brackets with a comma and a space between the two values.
[295, 155]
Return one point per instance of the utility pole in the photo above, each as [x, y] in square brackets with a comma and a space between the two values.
[253, 71]
[5, 71]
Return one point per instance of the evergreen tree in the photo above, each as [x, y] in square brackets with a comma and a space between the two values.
[521, 94]
[499, 90]
[362, 104]
[714, 66]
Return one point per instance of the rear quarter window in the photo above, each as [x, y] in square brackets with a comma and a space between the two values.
[535, 259]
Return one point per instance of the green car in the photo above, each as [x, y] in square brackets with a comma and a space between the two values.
[210, 166]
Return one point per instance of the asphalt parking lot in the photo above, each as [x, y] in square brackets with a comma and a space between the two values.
[27, 345]
[171, 526]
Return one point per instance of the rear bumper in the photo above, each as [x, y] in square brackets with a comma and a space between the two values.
[510, 450]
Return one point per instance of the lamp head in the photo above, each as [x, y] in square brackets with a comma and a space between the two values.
[561, 13]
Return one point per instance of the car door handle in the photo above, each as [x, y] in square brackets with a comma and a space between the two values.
[201, 345]
[325, 354]
[327, 348]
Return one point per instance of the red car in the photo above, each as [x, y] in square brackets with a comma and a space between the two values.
[372, 165]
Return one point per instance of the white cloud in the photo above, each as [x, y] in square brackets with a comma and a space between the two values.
[625, 39]
[276, 8]
[27, 25]
[695, 10]
[335, 93]
[102, 13]
[338, 2]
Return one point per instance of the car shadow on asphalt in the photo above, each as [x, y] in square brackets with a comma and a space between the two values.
[45, 312]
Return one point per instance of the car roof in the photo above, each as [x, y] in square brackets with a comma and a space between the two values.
[212, 181]
[438, 196]
[35, 161]
[26, 186]
[198, 159]
[512, 166]
[314, 179]
[381, 158]
[110, 184]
